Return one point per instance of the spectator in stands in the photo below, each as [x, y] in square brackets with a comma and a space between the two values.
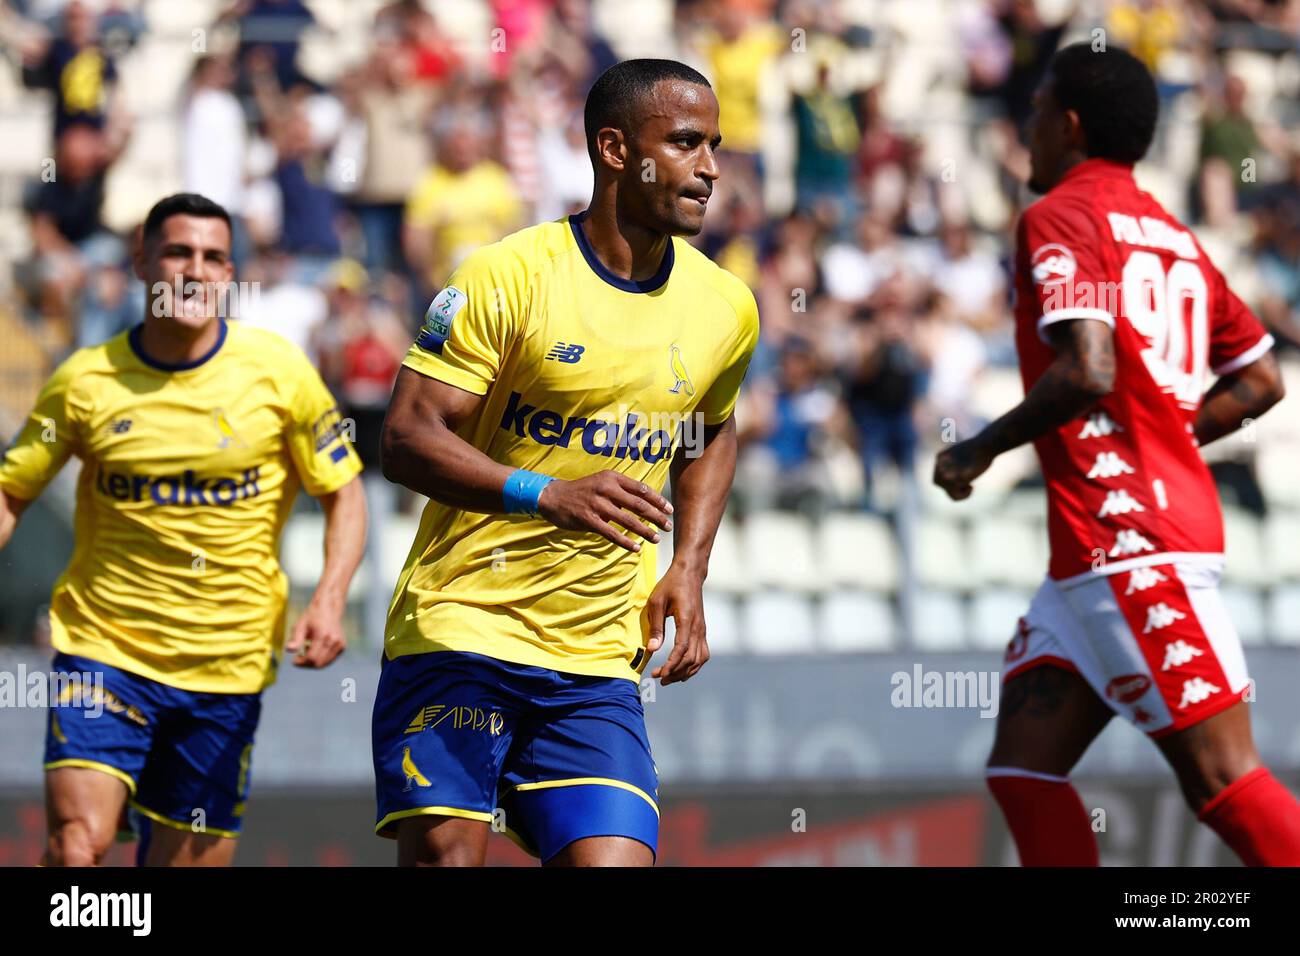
[214, 145]
[884, 377]
[70, 242]
[970, 280]
[1230, 144]
[281, 300]
[464, 201]
[77, 69]
[395, 112]
[427, 57]
[270, 31]
[788, 426]
[827, 142]
[739, 50]
[359, 348]
[310, 209]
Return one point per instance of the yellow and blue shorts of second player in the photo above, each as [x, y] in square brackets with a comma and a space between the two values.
[545, 757]
[184, 756]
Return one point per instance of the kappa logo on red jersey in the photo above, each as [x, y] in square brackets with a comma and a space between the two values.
[1052, 264]
[1128, 687]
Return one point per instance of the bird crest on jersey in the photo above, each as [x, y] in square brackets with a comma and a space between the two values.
[226, 434]
[683, 377]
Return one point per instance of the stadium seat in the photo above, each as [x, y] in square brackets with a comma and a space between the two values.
[723, 622]
[301, 553]
[857, 550]
[940, 621]
[942, 560]
[1284, 616]
[1246, 610]
[993, 617]
[776, 622]
[853, 621]
[1007, 550]
[1276, 471]
[727, 568]
[780, 552]
[1244, 549]
[1282, 545]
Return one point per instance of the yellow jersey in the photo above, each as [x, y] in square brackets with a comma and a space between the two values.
[737, 71]
[581, 371]
[188, 473]
[464, 211]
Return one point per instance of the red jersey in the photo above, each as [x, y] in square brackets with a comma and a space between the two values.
[1126, 485]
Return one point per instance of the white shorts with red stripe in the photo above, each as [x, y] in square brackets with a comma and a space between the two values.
[1154, 642]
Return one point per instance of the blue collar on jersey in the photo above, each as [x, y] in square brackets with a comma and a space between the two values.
[134, 338]
[618, 282]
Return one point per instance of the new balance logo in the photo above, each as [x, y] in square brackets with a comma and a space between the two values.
[1119, 503]
[1178, 653]
[1196, 690]
[1099, 425]
[1109, 465]
[1161, 615]
[568, 354]
[120, 426]
[1129, 541]
[1142, 578]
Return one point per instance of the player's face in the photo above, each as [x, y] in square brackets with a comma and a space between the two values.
[1048, 133]
[194, 252]
[672, 159]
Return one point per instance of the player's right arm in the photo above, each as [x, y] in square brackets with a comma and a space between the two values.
[421, 450]
[47, 440]
[1083, 372]
[470, 326]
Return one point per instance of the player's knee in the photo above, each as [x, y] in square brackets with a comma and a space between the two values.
[1210, 774]
[78, 842]
[456, 854]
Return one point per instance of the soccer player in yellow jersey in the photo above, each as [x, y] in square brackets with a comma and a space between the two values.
[194, 436]
[561, 376]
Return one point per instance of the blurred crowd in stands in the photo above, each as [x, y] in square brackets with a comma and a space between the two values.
[872, 172]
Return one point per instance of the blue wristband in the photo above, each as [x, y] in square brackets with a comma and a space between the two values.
[522, 491]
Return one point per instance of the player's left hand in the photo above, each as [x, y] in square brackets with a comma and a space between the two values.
[317, 638]
[956, 467]
[678, 595]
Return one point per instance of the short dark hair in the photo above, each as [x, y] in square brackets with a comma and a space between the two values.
[616, 94]
[182, 204]
[1115, 96]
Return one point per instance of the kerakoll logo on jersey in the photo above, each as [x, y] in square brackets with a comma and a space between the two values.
[595, 436]
[183, 489]
[1128, 688]
[1052, 264]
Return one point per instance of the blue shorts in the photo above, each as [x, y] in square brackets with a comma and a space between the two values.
[179, 752]
[546, 757]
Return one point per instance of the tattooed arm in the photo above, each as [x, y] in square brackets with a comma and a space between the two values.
[1246, 393]
[1084, 371]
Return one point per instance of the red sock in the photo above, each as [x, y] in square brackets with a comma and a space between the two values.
[1258, 818]
[1046, 817]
